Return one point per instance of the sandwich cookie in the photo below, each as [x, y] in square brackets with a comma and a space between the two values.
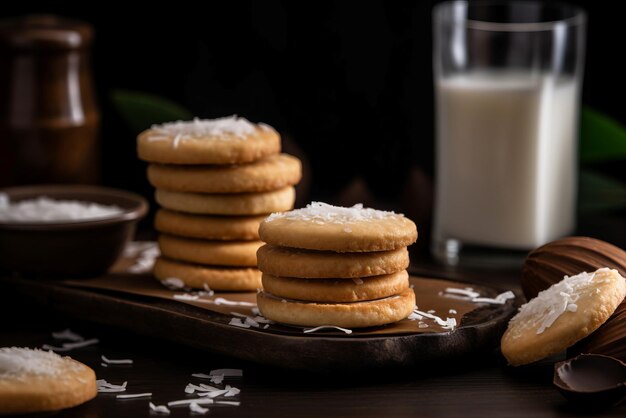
[267, 174]
[229, 140]
[561, 315]
[38, 381]
[350, 315]
[228, 204]
[329, 290]
[292, 262]
[216, 278]
[323, 227]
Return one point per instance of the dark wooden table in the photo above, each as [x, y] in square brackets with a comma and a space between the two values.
[481, 387]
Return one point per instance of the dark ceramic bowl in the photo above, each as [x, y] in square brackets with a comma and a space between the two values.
[69, 248]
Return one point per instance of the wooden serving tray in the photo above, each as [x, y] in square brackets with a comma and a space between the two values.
[479, 330]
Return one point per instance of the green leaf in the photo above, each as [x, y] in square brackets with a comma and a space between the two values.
[601, 137]
[600, 193]
[142, 110]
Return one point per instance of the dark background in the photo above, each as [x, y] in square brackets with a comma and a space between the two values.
[347, 84]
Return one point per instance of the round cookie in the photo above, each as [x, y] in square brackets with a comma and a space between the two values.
[324, 227]
[228, 204]
[38, 381]
[218, 253]
[229, 140]
[561, 315]
[329, 290]
[216, 278]
[269, 173]
[349, 315]
[308, 264]
[208, 227]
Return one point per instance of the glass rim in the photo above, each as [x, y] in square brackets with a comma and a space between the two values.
[578, 17]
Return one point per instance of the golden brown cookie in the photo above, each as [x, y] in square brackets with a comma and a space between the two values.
[349, 315]
[329, 290]
[228, 228]
[217, 278]
[323, 227]
[38, 381]
[269, 173]
[229, 140]
[218, 253]
[309, 264]
[561, 315]
[228, 204]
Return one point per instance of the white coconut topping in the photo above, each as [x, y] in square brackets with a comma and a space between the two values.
[322, 213]
[221, 129]
[16, 362]
[44, 209]
[173, 283]
[551, 303]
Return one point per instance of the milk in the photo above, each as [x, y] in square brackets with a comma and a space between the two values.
[506, 159]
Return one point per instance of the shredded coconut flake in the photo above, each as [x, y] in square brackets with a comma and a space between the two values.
[448, 323]
[134, 395]
[159, 409]
[199, 401]
[72, 345]
[232, 403]
[120, 361]
[221, 129]
[67, 334]
[197, 409]
[323, 213]
[173, 283]
[309, 330]
[44, 209]
[106, 387]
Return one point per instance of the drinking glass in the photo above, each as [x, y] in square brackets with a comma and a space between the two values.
[507, 89]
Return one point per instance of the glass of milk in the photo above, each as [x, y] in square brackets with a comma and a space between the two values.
[507, 89]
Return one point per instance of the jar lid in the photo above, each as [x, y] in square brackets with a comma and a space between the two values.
[44, 32]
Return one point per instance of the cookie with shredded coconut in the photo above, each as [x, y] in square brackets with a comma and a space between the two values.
[34, 380]
[309, 264]
[217, 253]
[561, 315]
[349, 315]
[228, 140]
[337, 290]
[244, 228]
[228, 204]
[196, 276]
[320, 226]
[269, 173]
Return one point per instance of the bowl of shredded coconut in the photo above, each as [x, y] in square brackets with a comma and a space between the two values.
[65, 230]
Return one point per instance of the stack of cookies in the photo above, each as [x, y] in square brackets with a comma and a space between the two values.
[216, 180]
[334, 266]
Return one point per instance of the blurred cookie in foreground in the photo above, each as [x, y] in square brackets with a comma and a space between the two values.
[561, 315]
[338, 266]
[33, 380]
